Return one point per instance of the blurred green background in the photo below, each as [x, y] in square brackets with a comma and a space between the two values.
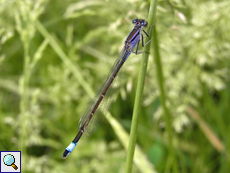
[54, 55]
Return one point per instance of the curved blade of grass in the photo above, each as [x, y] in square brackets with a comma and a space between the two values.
[210, 135]
[65, 59]
[139, 158]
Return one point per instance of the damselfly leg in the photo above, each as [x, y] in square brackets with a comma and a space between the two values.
[142, 41]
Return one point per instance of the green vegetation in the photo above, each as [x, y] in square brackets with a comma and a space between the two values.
[54, 55]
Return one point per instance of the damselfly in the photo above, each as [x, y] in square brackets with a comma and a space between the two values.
[131, 42]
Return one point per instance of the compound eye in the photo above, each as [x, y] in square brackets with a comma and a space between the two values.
[145, 24]
[135, 21]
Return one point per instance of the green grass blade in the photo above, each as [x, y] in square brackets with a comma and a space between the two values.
[139, 93]
[166, 114]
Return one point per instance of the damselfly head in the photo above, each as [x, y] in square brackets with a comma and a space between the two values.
[140, 22]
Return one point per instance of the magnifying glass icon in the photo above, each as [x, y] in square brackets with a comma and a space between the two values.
[9, 160]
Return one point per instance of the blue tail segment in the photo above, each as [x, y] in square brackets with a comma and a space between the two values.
[69, 149]
[72, 145]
